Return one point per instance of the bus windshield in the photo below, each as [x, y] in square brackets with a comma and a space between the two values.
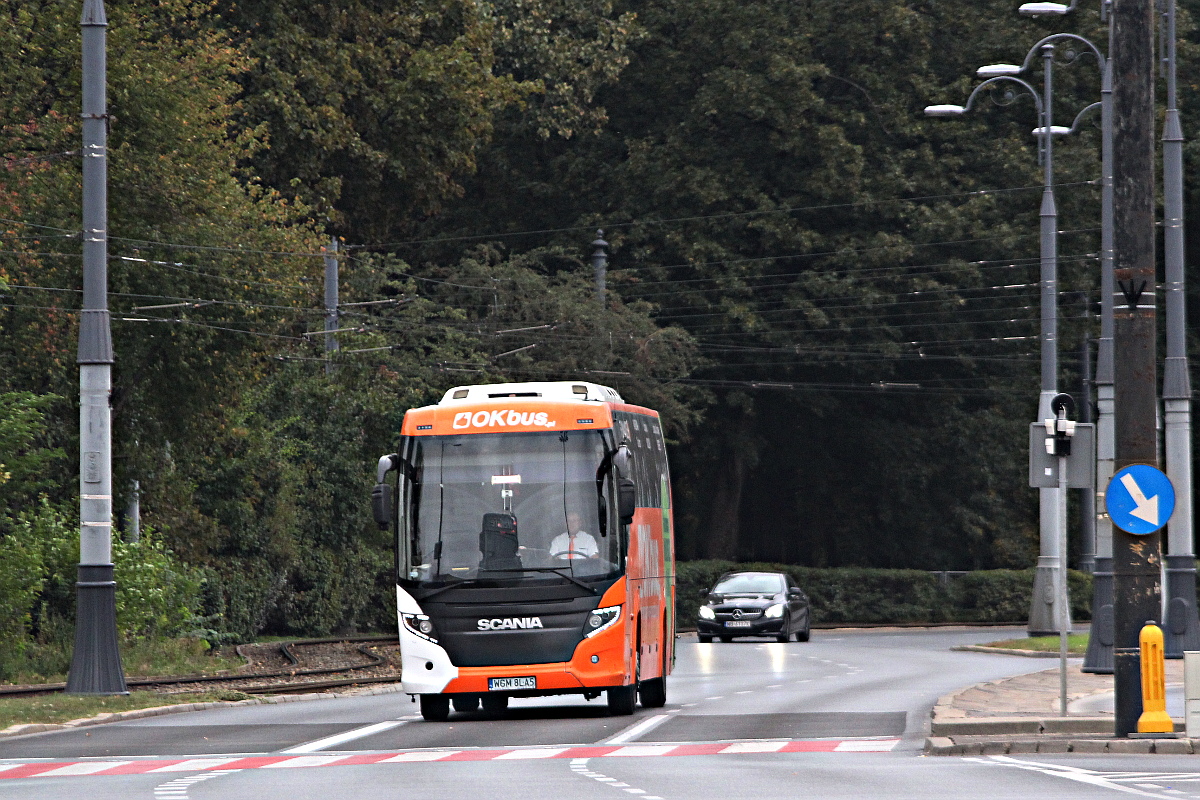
[508, 507]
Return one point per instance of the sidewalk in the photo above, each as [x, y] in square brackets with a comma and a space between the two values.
[1021, 715]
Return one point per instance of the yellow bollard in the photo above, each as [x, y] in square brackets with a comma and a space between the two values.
[1154, 717]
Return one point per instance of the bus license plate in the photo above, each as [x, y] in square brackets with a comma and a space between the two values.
[507, 684]
[737, 623]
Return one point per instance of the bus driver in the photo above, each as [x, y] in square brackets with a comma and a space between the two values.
[574, 542]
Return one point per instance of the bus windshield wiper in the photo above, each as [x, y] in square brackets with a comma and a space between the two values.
[555, 570]
[459, 582]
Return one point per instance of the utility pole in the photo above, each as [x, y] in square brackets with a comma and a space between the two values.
[96, 661]
[1087, 517]
[331, 303]
[1182, 628]
[1136, 559]
[1099, 658]
[600, 265]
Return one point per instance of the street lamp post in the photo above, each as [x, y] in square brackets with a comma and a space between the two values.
[1043, 617]
[1182, 628]
[1099, 655]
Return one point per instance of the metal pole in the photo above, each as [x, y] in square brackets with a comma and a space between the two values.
[1099, 658]
[1061, 597]
[331, 303]
[1043, 616]
[1087, 519]
[134, 512]
[96, 660]
[1136, 559]
[600, 265]
[1182, 628]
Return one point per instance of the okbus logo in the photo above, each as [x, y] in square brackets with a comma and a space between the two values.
[504, 418]
[509, 623]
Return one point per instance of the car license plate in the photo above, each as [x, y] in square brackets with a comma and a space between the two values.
[505, 684]
[737, 623]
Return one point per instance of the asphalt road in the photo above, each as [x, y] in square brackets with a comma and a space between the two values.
[841, 716]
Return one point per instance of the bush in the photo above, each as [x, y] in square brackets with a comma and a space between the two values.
[864, 595]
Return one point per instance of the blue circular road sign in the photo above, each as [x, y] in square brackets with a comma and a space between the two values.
[1139, 499]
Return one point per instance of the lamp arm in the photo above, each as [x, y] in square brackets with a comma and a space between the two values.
[1035, 51]
[1079, 117]
[1036, 98]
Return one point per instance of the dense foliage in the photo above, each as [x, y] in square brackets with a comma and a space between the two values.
[831, 298]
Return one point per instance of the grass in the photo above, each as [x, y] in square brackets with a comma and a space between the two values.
[48, 663]
[1076, 644]
[57, 708]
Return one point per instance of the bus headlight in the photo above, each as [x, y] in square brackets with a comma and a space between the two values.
[601, 619]
[421, 625]
[706, 612]
[774, 611]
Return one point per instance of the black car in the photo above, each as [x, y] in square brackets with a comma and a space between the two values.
[755, 604]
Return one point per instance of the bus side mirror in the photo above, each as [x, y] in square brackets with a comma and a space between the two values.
[626, 500]
[381, 505]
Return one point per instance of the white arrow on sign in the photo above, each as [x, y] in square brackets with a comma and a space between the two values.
[1143, 508]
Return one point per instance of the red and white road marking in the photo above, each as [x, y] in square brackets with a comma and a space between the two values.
[56, 769]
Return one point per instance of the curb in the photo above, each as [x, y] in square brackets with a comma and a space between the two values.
[24, 729]
[1007, 651]
[944, 746]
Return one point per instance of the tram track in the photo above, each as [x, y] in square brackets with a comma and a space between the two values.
[288, 667]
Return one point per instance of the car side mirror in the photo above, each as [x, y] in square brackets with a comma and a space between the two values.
[381, 505]
[626, 500]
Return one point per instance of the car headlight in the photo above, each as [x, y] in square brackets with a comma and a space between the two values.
[774, 611]
[421, 625]
[706, 612]
[601, 619]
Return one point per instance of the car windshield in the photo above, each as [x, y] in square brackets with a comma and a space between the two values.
[749, 584]
[508, 507]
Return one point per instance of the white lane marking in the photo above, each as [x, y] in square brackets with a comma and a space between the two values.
[345, 736]
[1078, 774]
[422, 756]
[85, 768]
[643, 750]
[306, 761]
[754, 747]
[579, 767]
[629, 734]
[193, 764]
[867, 746]
[177, 789]
[519, 754]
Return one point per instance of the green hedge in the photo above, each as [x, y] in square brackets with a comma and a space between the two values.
[853, 594]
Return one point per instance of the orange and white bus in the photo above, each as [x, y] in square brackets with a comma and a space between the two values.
[533, 548]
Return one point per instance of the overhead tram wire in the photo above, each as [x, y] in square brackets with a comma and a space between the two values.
[703, 217]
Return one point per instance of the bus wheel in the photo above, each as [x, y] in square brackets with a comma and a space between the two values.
[435, 707]
[621, 700]
[465, 703]
[653, 692]
[495, 704]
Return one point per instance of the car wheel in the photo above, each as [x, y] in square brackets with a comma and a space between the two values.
[704, 639]
[435, 707]
[803, 636]
[465, 704]
[784, 635]
[621, 700]
[653, 692]
[495, 704]
[726, 639]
